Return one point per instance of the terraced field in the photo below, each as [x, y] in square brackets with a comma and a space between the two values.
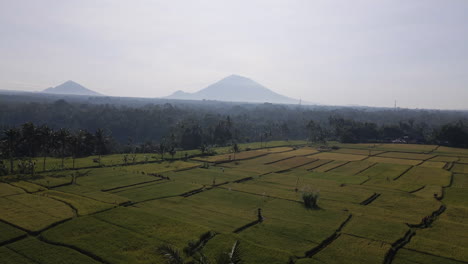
[378, 203]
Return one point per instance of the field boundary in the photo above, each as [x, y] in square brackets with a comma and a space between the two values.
[340, 165]
[370, 199]
[272, 162]
[21, 254]
[75, 248]
[361, 171]
[13, 240]
[320, 165]
[434, 255]
[403, 173]
[295, 167]
[130, 185]
[418, 189]
[328, 240]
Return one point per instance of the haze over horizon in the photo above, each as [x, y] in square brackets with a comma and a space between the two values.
[330, 52]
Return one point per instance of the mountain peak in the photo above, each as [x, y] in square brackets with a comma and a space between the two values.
[71, 88]
[235, 88]
[235, 76]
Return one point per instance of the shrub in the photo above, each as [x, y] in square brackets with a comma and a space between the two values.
[310, 199]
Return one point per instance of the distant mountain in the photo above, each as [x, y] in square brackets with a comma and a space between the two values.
[71, 88]
[235, 88]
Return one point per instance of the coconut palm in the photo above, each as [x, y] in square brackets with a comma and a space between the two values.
[235, 149]
[62, 137]
[47, 142]
[30, 137]
[101, 142]
[174, 256]
[12, 137]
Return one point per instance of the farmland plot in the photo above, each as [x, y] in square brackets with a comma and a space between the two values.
[338, 156]
[123, 214]
[403, 155]
[41, 252]
[33, 212]
[364, 152]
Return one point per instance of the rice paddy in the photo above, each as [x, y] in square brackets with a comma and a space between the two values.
[377, 203]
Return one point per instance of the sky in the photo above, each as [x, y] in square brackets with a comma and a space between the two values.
[335, 52]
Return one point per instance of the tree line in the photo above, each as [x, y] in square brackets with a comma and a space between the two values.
[29, 141]
[78, 129]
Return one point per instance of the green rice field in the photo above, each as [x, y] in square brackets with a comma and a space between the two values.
[377, 203]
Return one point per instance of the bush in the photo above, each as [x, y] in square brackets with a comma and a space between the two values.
[310, 199]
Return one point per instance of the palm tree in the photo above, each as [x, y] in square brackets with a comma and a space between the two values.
[62, 137]
[173, 256]
[235, 149]
[76, 140]
[31, 138]
[12, 137]
[45, 135]
[162, 148]
[172, 152]
[101, 142]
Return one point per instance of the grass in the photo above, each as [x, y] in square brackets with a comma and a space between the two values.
[283, 186]
[9, 232]
[291, 163]
[207, 176]
[444, 158]
[9, 256]
[155, 190]
[426, 176]
[251, 252]
[405, 256]
[444, 238]
[375, 228]
[406, 147]
[231, 156]
[330, 166]
[394, 161]
[82, 204]
[42, 252]
[303, 151]
[28, 186]
[456, 196]
[8, 189]
[54, 163]
[402, 155]
[353, 249]
[452, 151]
[92, 235]
[401, 206]
[433, 164]
[51, 179]
[33, 212]
[429, 190]
[338, 156]
[277, 149]
[93, 193]
[107, 226]
[364, 152]
[460, 181]
[460, 168]
[352, 168]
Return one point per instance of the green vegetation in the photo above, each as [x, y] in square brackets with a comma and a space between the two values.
[184, 211]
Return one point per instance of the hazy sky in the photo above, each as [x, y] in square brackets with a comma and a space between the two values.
[365, 52]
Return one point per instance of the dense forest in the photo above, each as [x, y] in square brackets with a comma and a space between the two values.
[79, 128]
